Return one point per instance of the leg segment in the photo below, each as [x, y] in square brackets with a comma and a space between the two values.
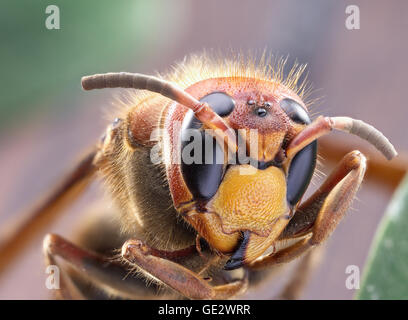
[181, 279]
[301, 275]
[107, 274]
[387, 174]
[19, 233]
[320, 214]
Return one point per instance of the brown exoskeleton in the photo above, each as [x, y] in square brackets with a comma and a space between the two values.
[187, 225]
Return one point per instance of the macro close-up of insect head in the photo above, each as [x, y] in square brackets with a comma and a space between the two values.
[203, 150]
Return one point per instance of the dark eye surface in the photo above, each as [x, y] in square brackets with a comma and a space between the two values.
[261, 112]
[203, 177]
[301, 172]
[295, 111]
[220, 102]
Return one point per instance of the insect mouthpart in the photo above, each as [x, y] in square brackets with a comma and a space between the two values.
[237, 259]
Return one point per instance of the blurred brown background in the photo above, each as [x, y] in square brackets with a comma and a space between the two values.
[47, 120]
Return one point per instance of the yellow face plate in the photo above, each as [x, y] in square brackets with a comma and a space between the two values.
[253, 202]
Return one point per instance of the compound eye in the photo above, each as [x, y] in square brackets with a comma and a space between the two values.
[300, 173]
[295, 111]
[220, 102]
[203, 169]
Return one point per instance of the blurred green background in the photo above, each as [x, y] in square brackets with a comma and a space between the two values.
[46, 120]
[42, 68]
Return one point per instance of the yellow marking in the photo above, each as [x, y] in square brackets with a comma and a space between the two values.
[251, 202]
